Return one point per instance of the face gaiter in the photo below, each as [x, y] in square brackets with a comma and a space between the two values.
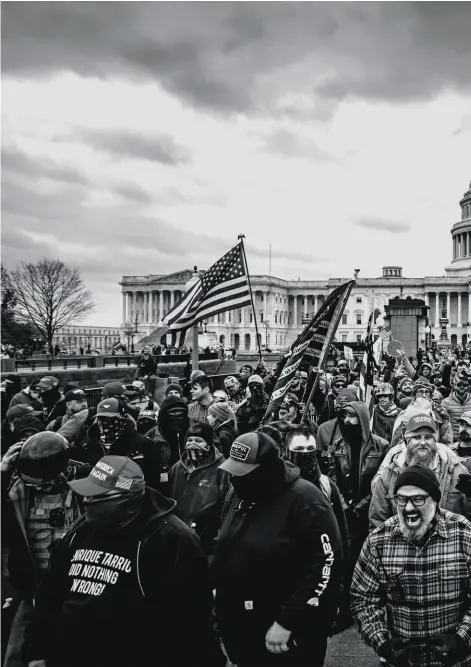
[113, 512]
[307, 464]
[262, 482]
[111, 428]
[198, 454]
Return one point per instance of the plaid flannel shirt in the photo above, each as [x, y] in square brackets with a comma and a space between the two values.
[426, 590]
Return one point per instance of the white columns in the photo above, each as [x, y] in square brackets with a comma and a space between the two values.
[460, 322]
[437, 309]
[161, 305]
[134, 305]
[265, 299]
[316, 303]
[124, 307]
[172, 298]
[305, 305]
[295, 311]
[448, 309]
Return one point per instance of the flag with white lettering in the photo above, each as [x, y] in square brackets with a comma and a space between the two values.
[367, 369]
[309, 344]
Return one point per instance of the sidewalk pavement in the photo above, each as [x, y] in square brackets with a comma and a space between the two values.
[348, 650]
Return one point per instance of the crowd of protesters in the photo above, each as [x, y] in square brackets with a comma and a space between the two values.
[208, 531]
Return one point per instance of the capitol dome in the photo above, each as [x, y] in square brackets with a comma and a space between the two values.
[461, 235]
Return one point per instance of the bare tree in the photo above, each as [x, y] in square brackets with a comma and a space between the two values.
[50, 295]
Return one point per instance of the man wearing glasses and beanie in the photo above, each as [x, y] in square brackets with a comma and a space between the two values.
[418, 565]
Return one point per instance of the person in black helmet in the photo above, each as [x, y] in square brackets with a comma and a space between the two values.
[38, 507]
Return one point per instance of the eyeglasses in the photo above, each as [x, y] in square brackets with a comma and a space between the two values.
[417, 501]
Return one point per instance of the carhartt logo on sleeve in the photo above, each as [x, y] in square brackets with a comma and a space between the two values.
[239, 451]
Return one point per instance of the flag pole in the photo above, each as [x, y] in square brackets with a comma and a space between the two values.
[241, 237]
[334, 323]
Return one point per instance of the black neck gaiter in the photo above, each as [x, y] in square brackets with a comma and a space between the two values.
[261, 483]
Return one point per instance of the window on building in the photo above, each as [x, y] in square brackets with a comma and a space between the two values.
[276, 318]
[261, 296]
[251, 317]
[261, 316]
[358, 299]
[358, 318]
[240, 316]
[344, 338]
[358, 338]
[344, 318]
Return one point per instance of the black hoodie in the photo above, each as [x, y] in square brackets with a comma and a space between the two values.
[279, 560]
[137, 597]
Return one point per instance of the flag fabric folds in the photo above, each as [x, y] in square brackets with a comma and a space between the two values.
[223, 287]
[385, 333]
[309, 344]
[366, 388]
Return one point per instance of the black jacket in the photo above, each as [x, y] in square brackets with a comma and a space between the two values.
[155, 611]
[136, 446]
[225, 434]
[372, 451]
[146, 367]
[279, 560]
[249, 415]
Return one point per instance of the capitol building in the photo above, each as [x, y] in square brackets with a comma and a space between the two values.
[282, 305]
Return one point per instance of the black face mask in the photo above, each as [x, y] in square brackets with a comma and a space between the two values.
[307, 464]
[114, 513]
[351, 432]
[464, 436]
[260, 483]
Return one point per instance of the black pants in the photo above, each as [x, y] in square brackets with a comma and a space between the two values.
[308, 655]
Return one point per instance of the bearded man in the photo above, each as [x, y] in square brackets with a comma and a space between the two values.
[422, 448]
[418, 565]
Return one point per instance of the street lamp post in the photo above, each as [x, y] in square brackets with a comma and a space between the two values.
[428, 337]
[266, 324]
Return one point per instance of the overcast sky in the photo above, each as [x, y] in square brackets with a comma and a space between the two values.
[143, 138]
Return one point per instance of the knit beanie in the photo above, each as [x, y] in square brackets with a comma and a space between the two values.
[202, 430]
[349, 394]
[174, 386]
[403, 381]
[422, 477]
[221, 411]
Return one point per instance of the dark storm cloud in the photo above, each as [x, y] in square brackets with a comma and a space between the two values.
[382, 225]
[288, 144]
[15, 161]
[127, 144]
[231, 56]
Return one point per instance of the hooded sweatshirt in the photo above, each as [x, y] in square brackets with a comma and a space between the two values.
[175, 438]
[354, 482]
[277, 560]
[135, 596]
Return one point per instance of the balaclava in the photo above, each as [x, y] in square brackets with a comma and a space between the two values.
[111, 428]
[352, 433]
[49, 397]
[200, 454]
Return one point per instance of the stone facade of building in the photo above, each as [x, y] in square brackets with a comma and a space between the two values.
[98, 338]
[282, 305]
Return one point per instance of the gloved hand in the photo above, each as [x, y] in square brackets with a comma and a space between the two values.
[450, 647]
[464, 485]
[394, 651]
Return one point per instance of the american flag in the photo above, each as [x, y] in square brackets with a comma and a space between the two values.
[385, 333]
[310, 344]
[223, 287]
[367, 368]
